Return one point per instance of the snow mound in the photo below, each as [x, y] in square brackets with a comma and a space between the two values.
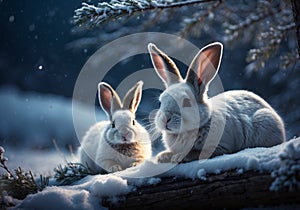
[60, 198]
[86, 194]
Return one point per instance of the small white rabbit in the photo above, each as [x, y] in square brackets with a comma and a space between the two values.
[230, 121]
[121, 142]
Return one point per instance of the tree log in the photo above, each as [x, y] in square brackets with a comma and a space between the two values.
[296, 13]
[227, 190]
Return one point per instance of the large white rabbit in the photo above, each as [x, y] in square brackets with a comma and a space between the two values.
[195, 126]
[120, 142]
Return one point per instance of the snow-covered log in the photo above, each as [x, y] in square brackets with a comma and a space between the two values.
[249, 178]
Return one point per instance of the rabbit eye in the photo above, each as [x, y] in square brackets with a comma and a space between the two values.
[113, 124]
[133, 122]
[186, 102]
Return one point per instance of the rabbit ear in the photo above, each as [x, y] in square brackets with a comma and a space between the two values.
[108, 98]
[164, 66]
[133, 97]
[204, 67]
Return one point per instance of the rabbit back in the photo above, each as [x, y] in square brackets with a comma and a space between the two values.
[248, 121]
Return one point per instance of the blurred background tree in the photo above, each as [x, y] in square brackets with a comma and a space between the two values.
[267, 24]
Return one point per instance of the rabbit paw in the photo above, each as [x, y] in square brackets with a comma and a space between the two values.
[134, 164]
[177, 158]
[114, 168]
[164, 157]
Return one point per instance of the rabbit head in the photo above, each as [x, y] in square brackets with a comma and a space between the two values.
[123, 127]
[184, 105]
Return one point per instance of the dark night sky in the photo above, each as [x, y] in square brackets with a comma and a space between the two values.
[33, 38]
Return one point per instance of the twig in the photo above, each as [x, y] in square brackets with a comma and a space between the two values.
[59, 151]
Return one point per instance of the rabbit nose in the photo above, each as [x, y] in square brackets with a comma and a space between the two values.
[165, 121]
[166, 117]
[125, 134]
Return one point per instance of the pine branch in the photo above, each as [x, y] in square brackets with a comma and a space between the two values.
[91, 16]
[289, 59]
[20, 183]
[71, 173]
[234, 31]
[193, 24]
[3, 161]
[270, 41]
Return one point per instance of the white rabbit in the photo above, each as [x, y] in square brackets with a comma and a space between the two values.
[121, 142]
[230, 121]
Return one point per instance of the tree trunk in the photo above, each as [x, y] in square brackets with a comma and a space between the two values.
[296, 13]
[226, 190]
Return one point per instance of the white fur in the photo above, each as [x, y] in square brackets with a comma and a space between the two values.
[97, 148]
[195, 127]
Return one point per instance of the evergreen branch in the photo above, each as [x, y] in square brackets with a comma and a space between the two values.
[192, 23]
[20, 183]
[288, 27]
[3, 161]
[269, 43]
[233, 31]
[289, 59]
[71, 173]
[91, 16]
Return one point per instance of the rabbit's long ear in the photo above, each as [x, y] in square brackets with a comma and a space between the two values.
[133, 97]
[204, 67]
[164, 66]
[108, 98]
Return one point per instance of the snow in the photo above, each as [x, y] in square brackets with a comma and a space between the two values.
[287, 176]
[88, 192]
[60, 198]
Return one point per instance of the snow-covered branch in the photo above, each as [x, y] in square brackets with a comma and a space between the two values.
[91, 16]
